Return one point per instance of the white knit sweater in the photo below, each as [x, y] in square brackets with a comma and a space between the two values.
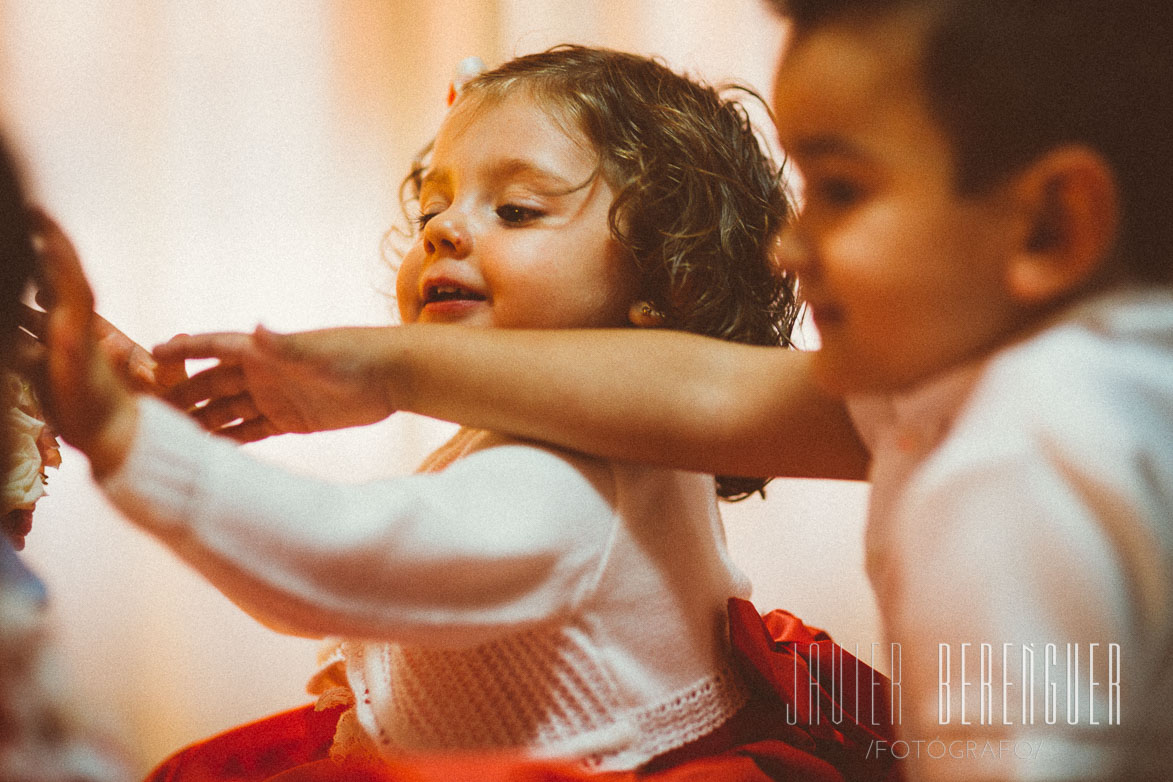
[513, 597]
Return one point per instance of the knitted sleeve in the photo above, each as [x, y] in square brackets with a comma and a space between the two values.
[506, 538]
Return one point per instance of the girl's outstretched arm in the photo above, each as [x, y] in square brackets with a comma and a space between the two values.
[658, 396]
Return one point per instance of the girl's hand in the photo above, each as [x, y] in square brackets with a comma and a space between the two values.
[267, 383]
[87, 403]
[133, 363]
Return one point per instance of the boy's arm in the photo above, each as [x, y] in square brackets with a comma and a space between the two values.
[652, 396]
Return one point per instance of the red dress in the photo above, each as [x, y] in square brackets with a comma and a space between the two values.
[800, 724]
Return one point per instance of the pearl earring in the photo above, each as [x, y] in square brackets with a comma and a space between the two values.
[644, 315]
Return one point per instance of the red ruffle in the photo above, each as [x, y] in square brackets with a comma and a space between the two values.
[257, 751]
[819, 698]
[800, 724]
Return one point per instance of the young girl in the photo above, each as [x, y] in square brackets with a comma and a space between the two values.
[510, 597]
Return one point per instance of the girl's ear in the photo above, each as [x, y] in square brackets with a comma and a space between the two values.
[643, 314]
[1070, 203]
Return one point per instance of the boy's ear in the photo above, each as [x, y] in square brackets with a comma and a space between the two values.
[1070, 204]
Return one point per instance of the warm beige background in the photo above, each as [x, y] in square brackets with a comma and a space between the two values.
[224, 162]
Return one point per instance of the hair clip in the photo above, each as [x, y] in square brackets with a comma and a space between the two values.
[469, 69]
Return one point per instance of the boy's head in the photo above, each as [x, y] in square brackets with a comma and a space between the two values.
[569, 187]
[1010, 80]
[1048, 119]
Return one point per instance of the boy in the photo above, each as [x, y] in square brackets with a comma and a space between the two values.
[985, 248]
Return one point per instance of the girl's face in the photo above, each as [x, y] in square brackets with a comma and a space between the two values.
[514, 226]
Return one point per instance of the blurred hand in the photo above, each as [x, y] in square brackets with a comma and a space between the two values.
[134, 363]
[87, 403]
[267, 383]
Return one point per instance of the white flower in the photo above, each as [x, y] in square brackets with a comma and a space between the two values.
[33, 448]
[26, 483]
[21, 393]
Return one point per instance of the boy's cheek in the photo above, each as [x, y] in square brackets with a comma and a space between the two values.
[840, 367]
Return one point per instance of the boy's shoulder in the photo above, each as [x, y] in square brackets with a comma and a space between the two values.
[1096, 383]
[1112, 354]
[1062, 437]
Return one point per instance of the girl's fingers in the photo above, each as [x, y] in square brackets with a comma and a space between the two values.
[218, 382]
[219, 413]
[249, 431]
[228, 347]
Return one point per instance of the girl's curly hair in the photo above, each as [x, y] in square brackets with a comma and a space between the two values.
[699, 202]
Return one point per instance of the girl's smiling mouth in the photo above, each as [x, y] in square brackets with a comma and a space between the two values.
[449, 300]
[443, 292]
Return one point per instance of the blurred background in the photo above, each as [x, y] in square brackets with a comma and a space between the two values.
[221, 163]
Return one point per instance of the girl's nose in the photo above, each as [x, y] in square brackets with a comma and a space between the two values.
[447, 233]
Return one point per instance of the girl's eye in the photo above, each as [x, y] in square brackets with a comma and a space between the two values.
[423, 219]
[516, 215]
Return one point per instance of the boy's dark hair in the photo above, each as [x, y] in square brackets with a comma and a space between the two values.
[1011, 79]
[698, 202]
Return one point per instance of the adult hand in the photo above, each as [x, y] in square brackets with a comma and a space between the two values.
[87, 403]
[134, 363]
[266, 383]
